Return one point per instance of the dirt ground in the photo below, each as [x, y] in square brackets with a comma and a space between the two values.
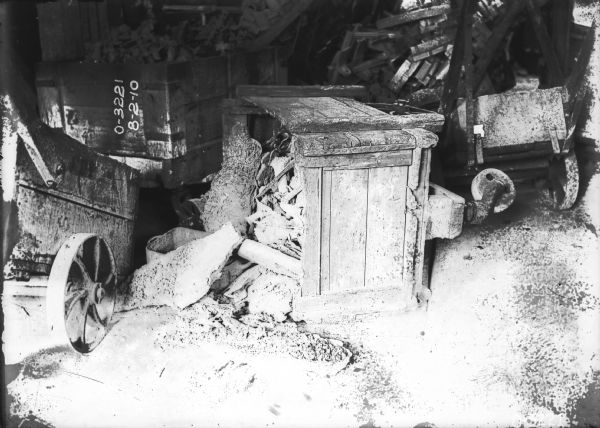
[509, 338]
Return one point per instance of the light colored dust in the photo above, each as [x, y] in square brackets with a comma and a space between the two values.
[509, 338]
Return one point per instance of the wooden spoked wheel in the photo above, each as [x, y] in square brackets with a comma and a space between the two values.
[81, 291]
[564, 181]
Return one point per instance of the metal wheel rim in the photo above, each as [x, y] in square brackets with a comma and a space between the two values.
[564, 181]
[81, 292]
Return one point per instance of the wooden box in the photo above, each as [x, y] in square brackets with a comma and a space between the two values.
[366, 179]
[154, 111]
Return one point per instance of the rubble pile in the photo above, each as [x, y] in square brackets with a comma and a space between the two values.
[256, 333]
[407, 54]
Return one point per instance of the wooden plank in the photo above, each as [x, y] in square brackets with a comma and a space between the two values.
[411, 230]
[555, 71]
[411, 16]
[498, 36]
[320, 115]
[468, 66]
[353, 142]
[450, 92]
[562, 14]
[421, 195]
[350, 305]
[348, 227]
[326, 231]
[358, 160]
[385, 227]
[311, 260]
[349, 91]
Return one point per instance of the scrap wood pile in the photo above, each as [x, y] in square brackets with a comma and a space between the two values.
[212, 30]
[280, 201]
[406, 54]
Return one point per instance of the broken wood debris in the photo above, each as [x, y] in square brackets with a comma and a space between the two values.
[408, 51]
[278, 221]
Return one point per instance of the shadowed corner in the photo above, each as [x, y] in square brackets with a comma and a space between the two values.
[585, 411]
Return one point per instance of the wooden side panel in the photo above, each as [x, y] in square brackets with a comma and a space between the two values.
[348, 229]
[45, 222]
[311, 260]
[385, 227]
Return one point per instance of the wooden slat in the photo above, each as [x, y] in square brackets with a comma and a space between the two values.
[326, 231]
[348, 229]
[349, 91]
[422, 13]
[385, 227]
[311, 260]
[468, 66]
[358, 160]
[350, 305]
[421, 195]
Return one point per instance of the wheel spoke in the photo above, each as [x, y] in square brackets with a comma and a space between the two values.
[102, 320]
[86, 275]
[76, 315]
[108, 282]
[97, 257]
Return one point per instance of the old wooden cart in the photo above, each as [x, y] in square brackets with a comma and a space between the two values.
[71, 214]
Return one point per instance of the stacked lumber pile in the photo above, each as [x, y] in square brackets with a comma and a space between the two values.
[277, 221]
[408, 51]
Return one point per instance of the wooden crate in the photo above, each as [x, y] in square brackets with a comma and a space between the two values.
[155, 111]
[366, 179]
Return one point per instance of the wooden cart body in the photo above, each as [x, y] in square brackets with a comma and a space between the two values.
[366, 180]
[89, 193]
[517, 125]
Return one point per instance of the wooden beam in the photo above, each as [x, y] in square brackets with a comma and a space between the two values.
[555, 72]
[451, 86]
[562, 14]
[498, 35]
[468, 66]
